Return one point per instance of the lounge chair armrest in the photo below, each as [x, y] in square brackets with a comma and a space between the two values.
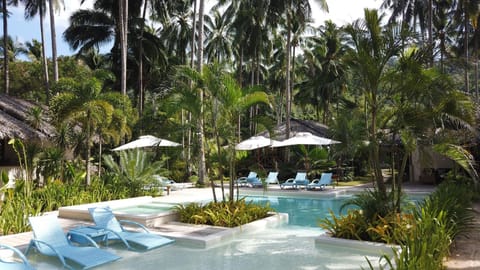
[86, 237]
[17, 253]
[130, 222]
[35, 242]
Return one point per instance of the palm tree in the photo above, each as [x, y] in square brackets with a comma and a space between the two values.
[32, 8]
[90, 28]
[13, 49]
[227, 101]
[219, 37]
[292, 10]
[373, 46]
[324, 69]
[34, 50]
[201, 135]
[84, 105]
[425, 107]
[52, 6]
[123, 26]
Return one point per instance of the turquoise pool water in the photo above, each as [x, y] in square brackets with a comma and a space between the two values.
[291, 246]
[305, 212]
[145, 209]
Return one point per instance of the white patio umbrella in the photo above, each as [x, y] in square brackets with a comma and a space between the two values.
[146, 141]
[255, 142]
[305, 138]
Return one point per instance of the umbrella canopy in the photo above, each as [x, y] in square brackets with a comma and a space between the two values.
[305, 138]
[254, 143]
[146, 141]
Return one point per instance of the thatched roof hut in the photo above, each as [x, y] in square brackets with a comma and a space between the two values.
[15, 123]
[297, 125]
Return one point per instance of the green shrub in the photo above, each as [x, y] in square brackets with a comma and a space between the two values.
[445, 214]
[225, 214]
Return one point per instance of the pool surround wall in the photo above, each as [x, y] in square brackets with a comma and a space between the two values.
[80, 212]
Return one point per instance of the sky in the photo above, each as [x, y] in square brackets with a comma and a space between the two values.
[340, 11]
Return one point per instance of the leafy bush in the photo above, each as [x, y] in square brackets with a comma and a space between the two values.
[438, 220]
[225, 214]
[350, 226]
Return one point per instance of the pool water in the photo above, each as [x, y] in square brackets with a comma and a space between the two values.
[145, 209]
[290, 246]
[305, 212]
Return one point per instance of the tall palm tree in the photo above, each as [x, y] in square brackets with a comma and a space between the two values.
[219, 37]
[123, 26]
[32, 8]
[373, 46]
[291, 10]
[6, 70]
[202, 170]
[91, 28]
[52, 6]
[324, 69]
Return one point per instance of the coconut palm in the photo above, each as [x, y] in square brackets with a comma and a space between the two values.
[34, 50]
[219, 37]
[6, 70]
[14, 49]
[32, 8]
[54, 5]
[324, 69]
[91, 28]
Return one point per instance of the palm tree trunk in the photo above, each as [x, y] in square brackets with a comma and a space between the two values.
[44, 59]
[87, 161]
[287, 80]
[140, 65]
[123, 24]
[465, 47]
[430, 31]
[189, 114]
[201, 135]
[54, 41]
[6, 77]
[475, 57]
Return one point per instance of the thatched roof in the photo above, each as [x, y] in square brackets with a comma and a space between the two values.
[297, 125]
[14, 114]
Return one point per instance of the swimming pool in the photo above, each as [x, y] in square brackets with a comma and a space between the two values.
[146, 209]
[304, 211]
[290, 246]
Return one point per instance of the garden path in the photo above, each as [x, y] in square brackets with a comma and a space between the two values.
[465, 253]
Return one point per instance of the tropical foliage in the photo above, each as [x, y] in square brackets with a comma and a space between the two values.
[225, 214]
[424, 232]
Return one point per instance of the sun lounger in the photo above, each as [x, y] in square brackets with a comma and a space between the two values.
[15, 261]
[243, 181]
[49, 239]
[325, 180]
[297, 182]
[105, 219]
[272, 178]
